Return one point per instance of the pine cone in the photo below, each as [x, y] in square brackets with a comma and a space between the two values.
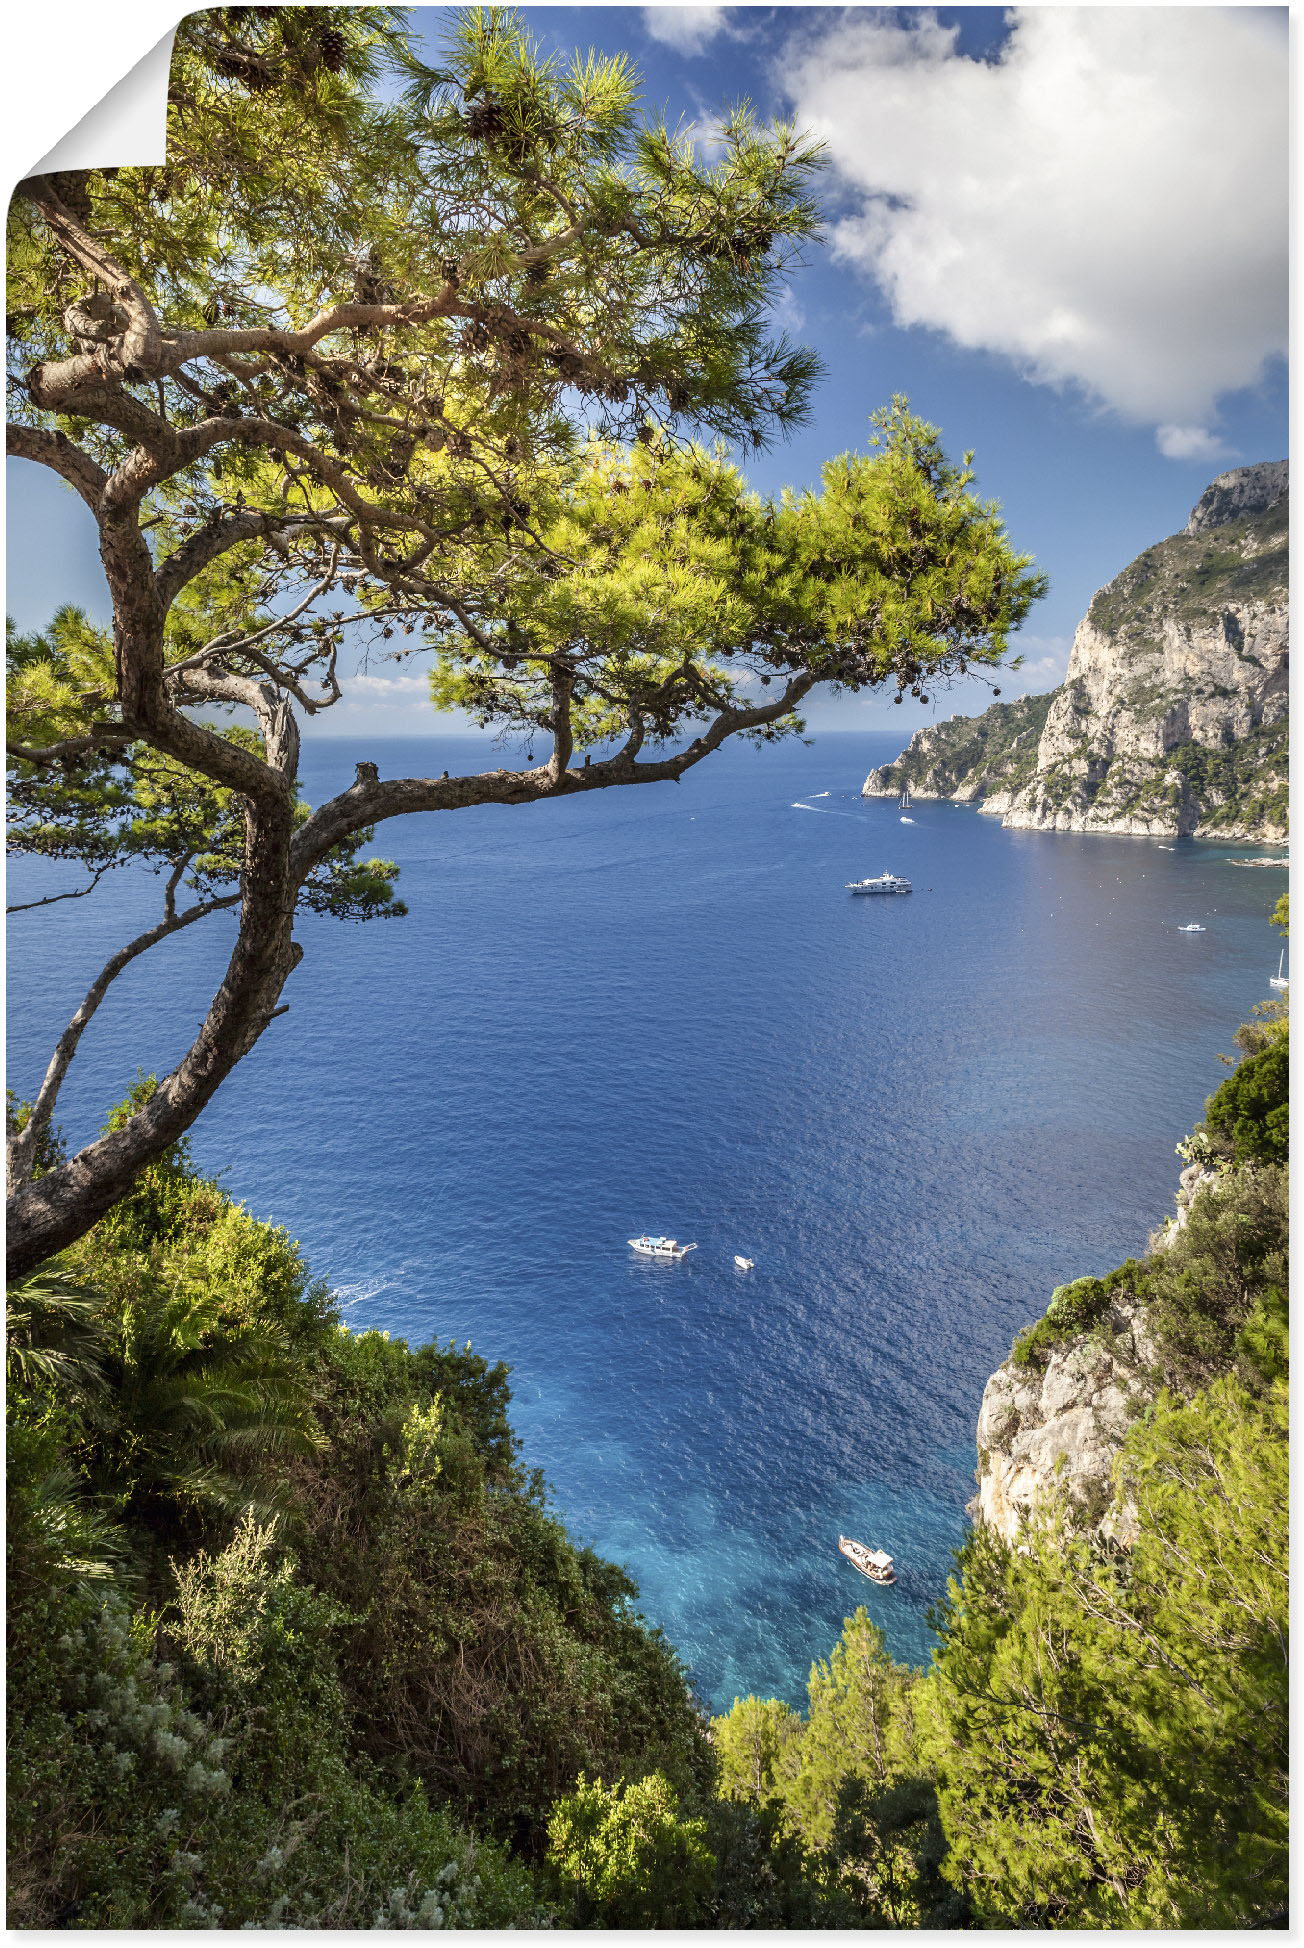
[516, 341]
[485, 119]
[332, 47]
[240, 64]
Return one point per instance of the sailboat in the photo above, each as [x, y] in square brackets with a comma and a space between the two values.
[905, 796]
[1279, 980]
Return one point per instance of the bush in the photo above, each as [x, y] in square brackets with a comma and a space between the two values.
[1075, 1307]
[626, 1858]
[1248, 1118]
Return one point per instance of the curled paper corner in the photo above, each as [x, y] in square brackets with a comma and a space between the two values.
[127, 127]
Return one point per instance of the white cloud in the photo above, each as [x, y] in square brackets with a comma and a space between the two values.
[687, 29]
[1103, 203]
[1190, 443]
[1045, 659]
[389, 687]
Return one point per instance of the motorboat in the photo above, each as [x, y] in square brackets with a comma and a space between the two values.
[650, 1247]
[885, 883]
[1192, 926]
[907, 821]
[744, 1264]
[874, 1563]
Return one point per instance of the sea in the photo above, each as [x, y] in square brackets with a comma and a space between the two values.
[659, 1009]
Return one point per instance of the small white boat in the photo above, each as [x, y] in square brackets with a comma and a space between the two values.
[885, 883]
[1280, 980]
[874, 1563]
[1192, 926]
[660, 1247]
[744, 1264]
[907, 821]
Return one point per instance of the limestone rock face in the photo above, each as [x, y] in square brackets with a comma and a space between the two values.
[1172, 717]
[1245, 490]
[1063, 1423]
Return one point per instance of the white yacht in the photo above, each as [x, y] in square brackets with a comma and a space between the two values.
[660, 1247]
[1192, 926]
[874, 1563]
[885, 883]
[744, 1264]
[1280, 980]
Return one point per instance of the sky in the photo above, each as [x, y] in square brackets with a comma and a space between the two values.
[1061, 232]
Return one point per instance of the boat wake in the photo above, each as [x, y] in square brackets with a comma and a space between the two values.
[824, 811]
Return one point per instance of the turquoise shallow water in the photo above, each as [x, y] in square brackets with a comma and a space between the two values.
[659, 1009]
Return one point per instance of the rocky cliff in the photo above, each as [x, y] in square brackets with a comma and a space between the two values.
[1172, 717]
[1061, 1424]
[1055, 1415]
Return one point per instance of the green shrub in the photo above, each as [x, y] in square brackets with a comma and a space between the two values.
[1075, 1307]
[1249, 1116]
[626, 1857]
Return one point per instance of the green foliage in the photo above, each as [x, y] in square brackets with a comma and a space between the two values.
[1248, 1117]
[52, 1342]
[751, 1743]
[338, 1589]
[1216, 1293]
[1073, 1307]
[129, 1809]
[119, 801]
[488, 1654]
[668, 588]
[178, 1232]
[1281, 913]
[846, 1785]
[627, 1858]
[1108, 1729]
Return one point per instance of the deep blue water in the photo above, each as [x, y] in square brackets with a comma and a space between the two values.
[658, 1009]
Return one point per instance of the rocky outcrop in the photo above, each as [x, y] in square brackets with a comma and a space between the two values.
[1245, 490]
[1055, 1415]
[1061, 1423]
[1172, 718]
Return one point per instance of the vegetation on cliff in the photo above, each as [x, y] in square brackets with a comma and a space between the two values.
[968, 756]
[1190, 576]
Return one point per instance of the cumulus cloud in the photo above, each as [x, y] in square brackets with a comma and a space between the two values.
[1104, 202]
[1190, 443]
[687, 29]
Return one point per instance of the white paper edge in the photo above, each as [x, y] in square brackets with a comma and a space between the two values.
[128, 128]
[54, 78]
